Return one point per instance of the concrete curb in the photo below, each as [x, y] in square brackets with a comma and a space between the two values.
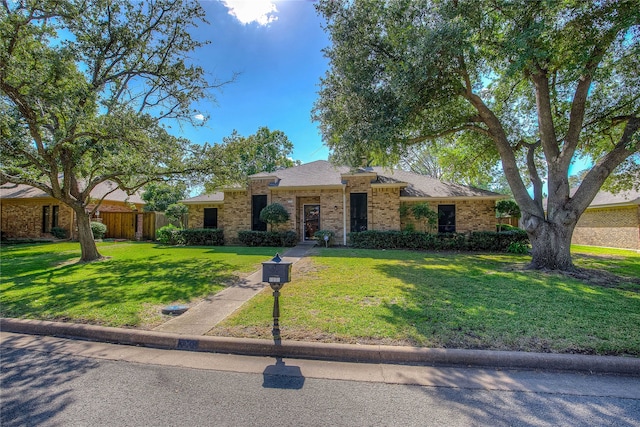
[325, 351]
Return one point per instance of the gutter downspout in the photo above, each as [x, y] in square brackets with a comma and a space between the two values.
[344, 214]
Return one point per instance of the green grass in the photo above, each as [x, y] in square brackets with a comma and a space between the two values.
[46, 281]
[484, 301]
[444, 300]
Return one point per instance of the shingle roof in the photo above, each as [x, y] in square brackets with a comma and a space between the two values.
[318, 173]
[322, 173]
[205, 198]
[22, 191]
[425, 186]
[604, 198]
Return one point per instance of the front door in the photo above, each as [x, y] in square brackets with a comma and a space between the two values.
[311, 221]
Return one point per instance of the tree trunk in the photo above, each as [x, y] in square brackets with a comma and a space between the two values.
[85, 237]
[550, 245]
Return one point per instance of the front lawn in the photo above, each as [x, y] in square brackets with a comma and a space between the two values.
[429, 299]
[45, 281]
[482, 301]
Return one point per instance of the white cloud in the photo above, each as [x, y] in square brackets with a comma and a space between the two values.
[199, 117]
[262, 12]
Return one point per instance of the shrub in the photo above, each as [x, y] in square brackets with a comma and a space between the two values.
[476, 241]
[202, 236]
[518, 248]
[274, 214]
[98, 229]
[169, 235]
[319, 237]
[268, 238]
[59, 232]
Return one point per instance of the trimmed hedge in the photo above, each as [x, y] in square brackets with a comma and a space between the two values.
[172, 235]
[202, 236]
[268, 238]
[476, 241]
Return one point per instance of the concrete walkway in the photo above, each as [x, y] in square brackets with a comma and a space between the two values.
[199, 320]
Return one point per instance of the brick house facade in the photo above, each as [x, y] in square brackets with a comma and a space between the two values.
[27, 212]
[321, 196]
[612, 220]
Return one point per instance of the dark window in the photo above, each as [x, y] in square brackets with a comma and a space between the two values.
[358, 211]
[46, 219]
[446, 218]
[54, 222]
[210, 217]
[257, 204]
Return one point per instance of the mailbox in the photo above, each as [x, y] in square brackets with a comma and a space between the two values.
[276, 270]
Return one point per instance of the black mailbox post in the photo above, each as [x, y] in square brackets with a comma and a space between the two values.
[276, 272]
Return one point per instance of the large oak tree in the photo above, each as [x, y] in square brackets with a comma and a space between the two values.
[538, 83]
[84, 87]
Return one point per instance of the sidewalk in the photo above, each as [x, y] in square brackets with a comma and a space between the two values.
[200, 319]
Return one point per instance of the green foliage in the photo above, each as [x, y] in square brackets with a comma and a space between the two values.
[98, 229]
[176, 212]
[84, 89]
[476, 241]
[319, 237]
[159, 195]
[172, 235]
[268, 238]
[274, 214]
[422, 211]
[507, 208]
[169, 235]
[532, 85]
[239, 157]
[518, 248]
[59, 232]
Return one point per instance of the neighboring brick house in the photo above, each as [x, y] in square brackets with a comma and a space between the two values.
[611, 220]
[28, 212]
[321, 196]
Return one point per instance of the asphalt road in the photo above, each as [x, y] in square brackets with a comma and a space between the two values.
[54, 382]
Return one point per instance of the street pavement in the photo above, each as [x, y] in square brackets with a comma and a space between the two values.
[50, 381]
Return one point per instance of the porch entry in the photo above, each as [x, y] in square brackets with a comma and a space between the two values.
[311, 220]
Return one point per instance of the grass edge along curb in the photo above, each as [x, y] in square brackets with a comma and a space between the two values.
[324, 351]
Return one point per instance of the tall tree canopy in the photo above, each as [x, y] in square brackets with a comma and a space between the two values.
[238, 157]
[84, 86]
[535, 82]
[158, 196]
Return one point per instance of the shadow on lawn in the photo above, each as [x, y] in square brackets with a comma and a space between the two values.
[477, 301]
[112, 284]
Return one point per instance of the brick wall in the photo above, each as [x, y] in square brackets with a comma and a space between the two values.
[23, 218]
[195, 216]
[471, 215]
[385, 209]
[237, 214]
[612, 227]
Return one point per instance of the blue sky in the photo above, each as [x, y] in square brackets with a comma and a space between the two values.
[276, 46]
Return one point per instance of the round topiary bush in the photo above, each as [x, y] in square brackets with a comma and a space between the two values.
[98, 229]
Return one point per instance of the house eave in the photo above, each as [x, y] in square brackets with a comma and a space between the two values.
[308, 187]
[460, 198]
